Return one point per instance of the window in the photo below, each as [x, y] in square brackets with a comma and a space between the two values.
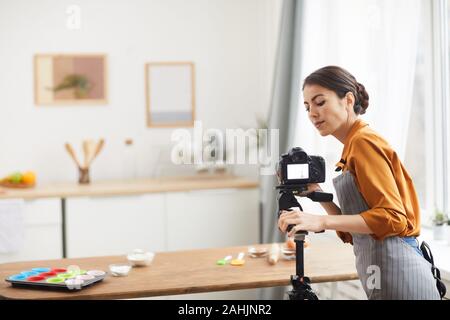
[427, 152]
[419, 153]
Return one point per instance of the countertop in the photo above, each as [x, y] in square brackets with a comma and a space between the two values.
[130, 187]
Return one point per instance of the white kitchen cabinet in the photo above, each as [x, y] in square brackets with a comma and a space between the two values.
[42, 232]
[212, 218]
[100, 226]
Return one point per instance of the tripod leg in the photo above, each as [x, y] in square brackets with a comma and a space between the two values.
[299, 260]
[301, 289]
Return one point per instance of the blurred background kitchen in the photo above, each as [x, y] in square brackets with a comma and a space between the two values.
[240, 64]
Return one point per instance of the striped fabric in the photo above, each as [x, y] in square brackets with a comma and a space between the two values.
[388, 269]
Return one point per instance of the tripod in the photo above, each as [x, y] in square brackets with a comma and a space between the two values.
[301, 289]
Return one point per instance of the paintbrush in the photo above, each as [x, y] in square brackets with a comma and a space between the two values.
[72, 154]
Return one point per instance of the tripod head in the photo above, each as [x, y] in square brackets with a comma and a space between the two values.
[286, 199]
[298, 189]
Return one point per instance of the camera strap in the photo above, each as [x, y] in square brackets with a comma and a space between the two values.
[425, 248]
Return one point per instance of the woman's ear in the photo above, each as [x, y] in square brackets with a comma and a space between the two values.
[350, 100]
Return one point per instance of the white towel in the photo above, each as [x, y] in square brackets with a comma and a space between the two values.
[12, 228]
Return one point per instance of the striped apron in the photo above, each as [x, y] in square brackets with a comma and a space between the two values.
[390, 268]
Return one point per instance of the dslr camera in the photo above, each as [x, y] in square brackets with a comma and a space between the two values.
[297, 168]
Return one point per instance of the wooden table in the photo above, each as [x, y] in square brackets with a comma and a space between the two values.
[183, 272]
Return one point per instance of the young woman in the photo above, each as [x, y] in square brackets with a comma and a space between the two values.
[379, 210]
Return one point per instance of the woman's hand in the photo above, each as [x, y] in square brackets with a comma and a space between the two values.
[301, 220]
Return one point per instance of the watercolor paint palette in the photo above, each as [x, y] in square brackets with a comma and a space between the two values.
[56, 278]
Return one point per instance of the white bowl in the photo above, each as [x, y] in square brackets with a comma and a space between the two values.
[120, 269]
[288, 253]
[257, 252]
[140, 258]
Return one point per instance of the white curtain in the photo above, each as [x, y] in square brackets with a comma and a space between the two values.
[376, 40]
[282, 117]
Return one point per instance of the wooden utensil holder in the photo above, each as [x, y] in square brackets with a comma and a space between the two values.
[84, 176]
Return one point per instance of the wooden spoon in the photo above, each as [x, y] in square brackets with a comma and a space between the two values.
[89, 147]
[86, 152]
[97, 150]
[72, 154]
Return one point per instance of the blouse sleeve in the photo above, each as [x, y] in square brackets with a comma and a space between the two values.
[375, 180]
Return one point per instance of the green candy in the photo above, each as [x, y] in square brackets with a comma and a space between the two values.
[224, 261]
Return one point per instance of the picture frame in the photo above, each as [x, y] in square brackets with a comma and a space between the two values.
[170, 94]
[70, 79]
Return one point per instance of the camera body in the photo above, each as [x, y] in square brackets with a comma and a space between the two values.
[298, 168]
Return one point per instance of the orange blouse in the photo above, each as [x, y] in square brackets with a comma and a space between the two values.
[383, 182]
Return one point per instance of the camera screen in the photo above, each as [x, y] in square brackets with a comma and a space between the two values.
[297, 171]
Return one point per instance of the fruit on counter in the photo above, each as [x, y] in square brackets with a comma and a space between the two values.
[16, 177]
[27, 178]
[290, 243]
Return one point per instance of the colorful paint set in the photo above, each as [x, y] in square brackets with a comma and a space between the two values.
[56, 278]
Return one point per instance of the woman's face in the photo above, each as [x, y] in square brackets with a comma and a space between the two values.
[326, 110]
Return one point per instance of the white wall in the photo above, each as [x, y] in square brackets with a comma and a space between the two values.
[231, 42]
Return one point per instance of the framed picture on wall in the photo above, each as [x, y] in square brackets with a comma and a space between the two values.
[70, 79]
[170, 94]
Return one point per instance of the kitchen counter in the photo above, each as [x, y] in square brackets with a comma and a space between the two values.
[120, 188]
[129, 187]
[182, 272]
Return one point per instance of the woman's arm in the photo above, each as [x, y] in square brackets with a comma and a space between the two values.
[335, 220]
[353, 223]
[315, 223]
[330, 207]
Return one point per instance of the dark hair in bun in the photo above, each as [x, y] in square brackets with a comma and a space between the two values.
[340, 81]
